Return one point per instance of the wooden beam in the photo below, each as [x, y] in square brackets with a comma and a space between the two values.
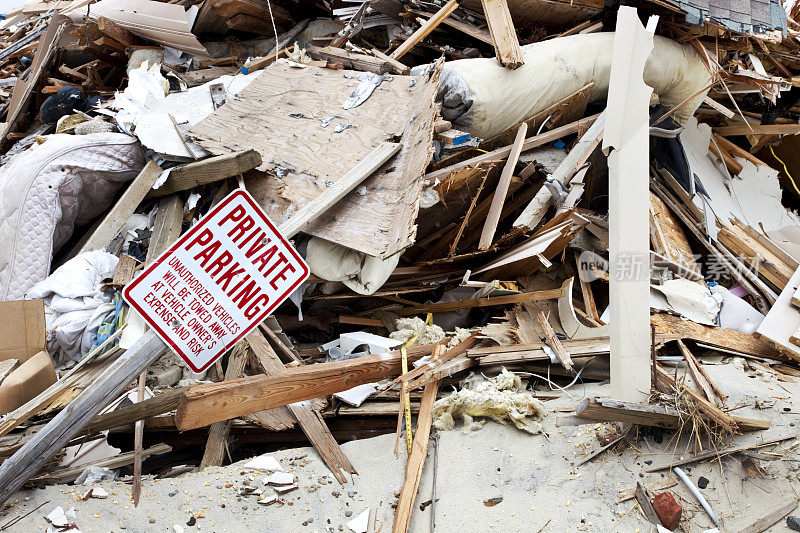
[536, 209]
[499, 198]
[350, 60]
[138, 440]
[207, 171]
[534, 296]
[504, 36]
[727, 159]
[17, 469]
[118, 33]
[424, 30]
[118, 215]
[736, 150]
[352, 178]
[207, 403]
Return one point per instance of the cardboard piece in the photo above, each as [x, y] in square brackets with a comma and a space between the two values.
[23, 384]
[23, 333]
[22, 337]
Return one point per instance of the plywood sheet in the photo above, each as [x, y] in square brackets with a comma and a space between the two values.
[282, 115]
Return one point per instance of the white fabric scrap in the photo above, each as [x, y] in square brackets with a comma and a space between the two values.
[74, 304]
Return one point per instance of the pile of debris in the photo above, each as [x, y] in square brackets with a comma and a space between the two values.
[230, 226]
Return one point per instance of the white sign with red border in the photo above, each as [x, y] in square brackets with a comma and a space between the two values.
[218, 281]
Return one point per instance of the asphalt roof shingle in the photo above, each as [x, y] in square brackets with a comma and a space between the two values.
[738, 15]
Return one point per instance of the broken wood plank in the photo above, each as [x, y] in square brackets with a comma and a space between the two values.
[499, 198]
[124, 271]
[756, 129]
[673, 328]
[68, 475]
[424, 30]
[310, 420]
[771, 518]
[166, 226]
[122, 210]
[727, 159]
[501, 153]
[138, 440]
[504, 36]
[17, 469]
[713, 454]
[553, 341]
[204, 404]
[209, 170]
[346, 59]
[419, 451]
[217, 442]
[662, 416]
[700, 375]
[536, 209]
[534, 296]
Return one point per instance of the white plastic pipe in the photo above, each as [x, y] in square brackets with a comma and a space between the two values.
[700, 498]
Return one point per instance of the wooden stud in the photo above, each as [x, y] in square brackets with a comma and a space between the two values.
[504, 36]
[424, 30]
[499, 198]
[208, 170]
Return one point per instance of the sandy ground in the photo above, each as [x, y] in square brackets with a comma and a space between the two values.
[535, 475]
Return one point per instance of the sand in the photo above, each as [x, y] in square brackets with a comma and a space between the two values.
[535, 475]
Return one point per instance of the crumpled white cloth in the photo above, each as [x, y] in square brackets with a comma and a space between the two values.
[74, 304]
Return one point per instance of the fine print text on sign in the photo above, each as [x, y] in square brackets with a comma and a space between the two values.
[218, 281]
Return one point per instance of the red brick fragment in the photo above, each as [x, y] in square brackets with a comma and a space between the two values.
[668, 510]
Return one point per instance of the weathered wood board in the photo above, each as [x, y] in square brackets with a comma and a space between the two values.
[283, 115]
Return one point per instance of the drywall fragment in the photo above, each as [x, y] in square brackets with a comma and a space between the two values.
[264, 462]
[360, 524]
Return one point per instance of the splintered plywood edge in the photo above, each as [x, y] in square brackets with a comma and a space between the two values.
[281, 115]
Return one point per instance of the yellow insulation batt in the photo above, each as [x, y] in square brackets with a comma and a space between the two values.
[502, 398]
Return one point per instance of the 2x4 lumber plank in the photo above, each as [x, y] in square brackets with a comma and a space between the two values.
[766, 129]
[217, 441]
[352, 178]
[205, 404]
[310, 420]
[501, 153]
[697, 367]
[419, 451]
[207, 171]
[118, 215]
[424, 30]
[500, 193]
[504, 36]
[17, 469]
[442, 307]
